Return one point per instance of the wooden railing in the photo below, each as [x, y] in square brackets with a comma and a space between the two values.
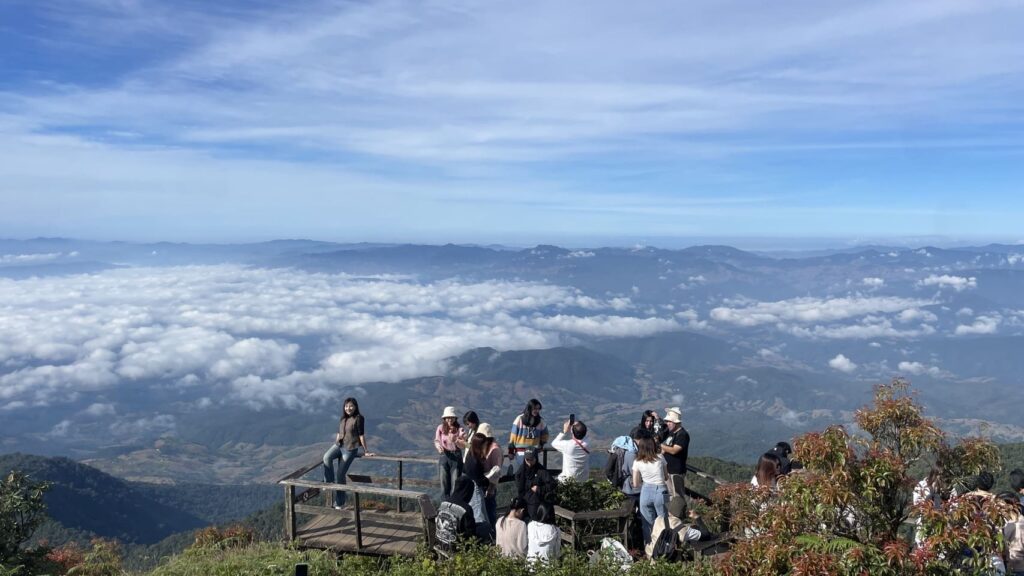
[360, 485]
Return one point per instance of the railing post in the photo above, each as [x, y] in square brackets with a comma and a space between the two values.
[359, 526]
[399, 484]
[289, 511]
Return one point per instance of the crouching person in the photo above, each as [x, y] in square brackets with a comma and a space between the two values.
[455, 523]
[679, 526]
[512, 538]
[544, 539]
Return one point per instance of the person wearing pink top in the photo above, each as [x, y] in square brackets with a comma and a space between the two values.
[492, 466]
[447, 442]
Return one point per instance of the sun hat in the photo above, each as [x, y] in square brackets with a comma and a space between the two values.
[485, 429]
[449, 412]
[674, 414]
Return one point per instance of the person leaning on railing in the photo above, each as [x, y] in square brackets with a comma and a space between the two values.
[529, 432]
[446, 442]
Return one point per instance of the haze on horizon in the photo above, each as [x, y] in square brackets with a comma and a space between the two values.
[517, 123]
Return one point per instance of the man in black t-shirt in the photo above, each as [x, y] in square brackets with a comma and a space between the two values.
[676, 448]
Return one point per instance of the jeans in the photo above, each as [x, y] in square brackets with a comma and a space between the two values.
[491, 505]
[449, 467]
[478, 505]
[330, 475]
[653, 505]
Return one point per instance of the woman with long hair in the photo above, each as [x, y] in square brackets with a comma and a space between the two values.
[446, 442]
[769, 468]
[511, 530]
[492, 470]
[528, 431]
[649, 422]
[470, 422]
[650, 472]
[475, 469]
[350, 438]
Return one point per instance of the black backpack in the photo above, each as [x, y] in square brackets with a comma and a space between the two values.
[668, 541]
[613, 467]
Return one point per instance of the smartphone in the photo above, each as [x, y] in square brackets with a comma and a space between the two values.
[572, 419]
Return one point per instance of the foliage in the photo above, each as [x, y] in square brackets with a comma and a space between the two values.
[234, 536]
[842, 513]
[21, 511]
[275, 559]
[104, 559]
[588, 496]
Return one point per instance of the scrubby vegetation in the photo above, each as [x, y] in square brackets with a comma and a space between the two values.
[847, 512]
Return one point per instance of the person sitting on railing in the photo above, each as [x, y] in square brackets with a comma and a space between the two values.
[528, 431]
[575, 451]
[544, 539]
[454, 522]
[446, 442]
[511, 530]
[534, 483]
[348, 440]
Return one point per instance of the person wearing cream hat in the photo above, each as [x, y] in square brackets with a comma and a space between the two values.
[492, 467]
[676, 448]
[446, 442]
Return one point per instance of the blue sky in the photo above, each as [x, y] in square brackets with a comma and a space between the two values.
[516, 122]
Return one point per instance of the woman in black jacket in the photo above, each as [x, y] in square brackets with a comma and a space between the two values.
[535, 484]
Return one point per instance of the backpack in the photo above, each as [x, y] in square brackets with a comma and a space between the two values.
[614, 468]
[446, 530]
[668, 541]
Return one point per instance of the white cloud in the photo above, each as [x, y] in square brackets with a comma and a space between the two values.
[580, 254]
[612, 326]
[981, 325]
[917, 368]
[842, 364]
[28, 258]
[811, 310]
[958, 283]
[99, 409]
[916, 315]
[965, 312]
[873, 282]
[141, 427]
[240, 329]
[870, 327]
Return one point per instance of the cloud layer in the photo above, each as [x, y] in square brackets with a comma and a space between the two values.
[269, 336]
[811, 317]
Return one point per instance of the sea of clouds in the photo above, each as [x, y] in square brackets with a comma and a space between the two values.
[273, 336]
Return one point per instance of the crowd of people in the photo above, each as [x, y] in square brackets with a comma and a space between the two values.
[931, 489]
[648, 465]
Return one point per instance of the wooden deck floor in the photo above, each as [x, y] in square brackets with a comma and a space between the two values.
[384, 533]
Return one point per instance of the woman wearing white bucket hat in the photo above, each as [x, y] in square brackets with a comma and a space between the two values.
[446, 441]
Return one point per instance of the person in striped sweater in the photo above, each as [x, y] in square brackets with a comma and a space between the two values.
[529, 432]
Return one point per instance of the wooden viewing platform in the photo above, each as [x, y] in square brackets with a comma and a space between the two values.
[355, 529]
[385, 532]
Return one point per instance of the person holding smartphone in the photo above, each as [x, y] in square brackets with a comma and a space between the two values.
[574, 449]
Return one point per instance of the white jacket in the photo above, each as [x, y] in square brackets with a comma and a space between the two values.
[544, 542]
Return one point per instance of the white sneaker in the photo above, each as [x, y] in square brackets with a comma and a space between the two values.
[339, 507]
